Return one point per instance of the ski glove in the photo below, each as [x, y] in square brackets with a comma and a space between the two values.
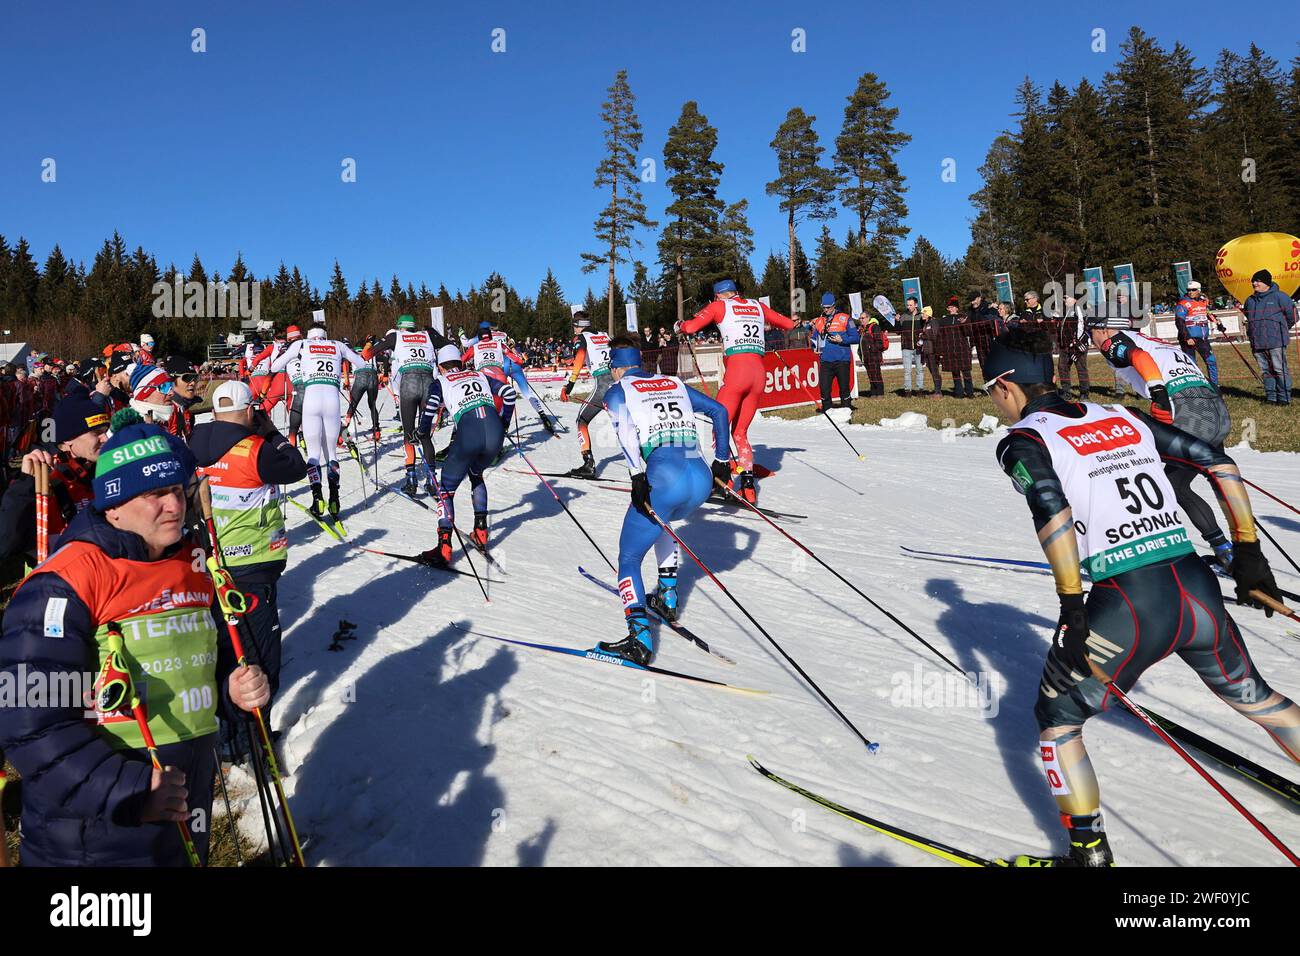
[564, 392]
[1071, 642]
[641, 493]
[721, 471]
[1161, 408]
[1251, 572]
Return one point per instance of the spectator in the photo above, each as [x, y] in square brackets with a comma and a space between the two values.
[1073, 349]
[1192, 316]
[90, 794]
[245, 458]
[954, 349]
[1007, 318]
[150, 388]
[981, 325]
[873, 345]
[910, 324]
[184, 395]
[1270, 313]
[930, 338]
[80, 427]
[834, 338]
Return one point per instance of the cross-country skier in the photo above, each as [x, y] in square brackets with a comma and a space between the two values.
[322, 367]
[491, 353]
[1098, 495]
[479, 426]
[413, 355]
[1179, 395]
[592, 350]
[271, 390]
[741, 322]
[365, 382]
[654, 419]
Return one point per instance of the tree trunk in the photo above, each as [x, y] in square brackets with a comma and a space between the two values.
[791, 224]
[681, 303]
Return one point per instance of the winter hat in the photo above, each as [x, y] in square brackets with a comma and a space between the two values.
[447, 354]
[177, 365]
[406, 321]
[139, 458]
[1193, 286]
[1264, 276]
[953, 300]
[77, 414]
[828, 298]
[926, 310]
[724, 285]
[147, 379]
[316, 332]
[292, 333]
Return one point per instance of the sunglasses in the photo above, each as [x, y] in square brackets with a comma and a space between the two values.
[988, 386]
[187, 377]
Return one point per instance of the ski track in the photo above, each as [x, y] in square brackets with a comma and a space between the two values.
[421, 744]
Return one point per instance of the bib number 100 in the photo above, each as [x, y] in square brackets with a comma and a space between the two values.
[195, 699]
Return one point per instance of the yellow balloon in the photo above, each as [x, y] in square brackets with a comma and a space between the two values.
[1241, 258]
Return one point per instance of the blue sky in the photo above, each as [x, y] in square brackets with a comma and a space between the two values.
[469, 160]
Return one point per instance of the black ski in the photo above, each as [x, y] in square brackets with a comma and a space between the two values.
[677, 626]
[415, 558]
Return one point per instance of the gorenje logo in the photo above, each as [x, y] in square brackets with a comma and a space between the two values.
[652, 384]
[103, 909]
[1107, 434]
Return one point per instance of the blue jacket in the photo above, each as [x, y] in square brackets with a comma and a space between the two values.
[83, 797]
[1269, 317]
[841, 351]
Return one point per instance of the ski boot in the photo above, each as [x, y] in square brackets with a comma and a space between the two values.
[440, 556]
[547, 423]
[1088, 846]
[411, 486]
[748, 487]
[664, 600]
[334, 496]
[479, 536]
[317, 507]
[638, 646]
[429, 489]
[586, 470]
[1223, 555]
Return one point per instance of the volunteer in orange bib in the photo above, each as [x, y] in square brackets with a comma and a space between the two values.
[741, 322]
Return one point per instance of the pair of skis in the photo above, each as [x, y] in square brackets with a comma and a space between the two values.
[334, 528]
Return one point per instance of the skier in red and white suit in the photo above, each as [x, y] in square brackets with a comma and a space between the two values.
[742, 322]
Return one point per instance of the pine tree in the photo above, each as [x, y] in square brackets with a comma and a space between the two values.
[806, 188]
[692, 245]
[338, 299]
[993, 230]
[739, 238]
[776, 274]
[22, 283]
[829, 265]
[618, 173]
[872, 186]
[928, 263]
[646, 296]
[553, 317]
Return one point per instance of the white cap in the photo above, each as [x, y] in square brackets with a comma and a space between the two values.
[146, 340]
[448, 353]
[231, 396]
[1193, 286]
[316, 332]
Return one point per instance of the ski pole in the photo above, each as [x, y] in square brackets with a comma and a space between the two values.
[433, 477]
[872, 747]
[233, 605]
[230, 814]
[560, 500]
[824, 412]
[1272, 540]
[1268, 494]
[42, 511]
[115, 687]
[1275, 605]
[1142, 715]
[808, 551]
[1245, 361]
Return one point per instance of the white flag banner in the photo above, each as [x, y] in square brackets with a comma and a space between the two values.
[855, 304]
[435, 318]
[631, 316]
[318, 316]
[766, 300]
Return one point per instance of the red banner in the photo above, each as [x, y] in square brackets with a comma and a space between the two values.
[795, 381]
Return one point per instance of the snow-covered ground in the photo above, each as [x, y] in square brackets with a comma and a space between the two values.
[421, 744]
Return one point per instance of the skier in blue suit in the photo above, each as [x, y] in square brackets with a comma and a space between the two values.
[654, 419]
